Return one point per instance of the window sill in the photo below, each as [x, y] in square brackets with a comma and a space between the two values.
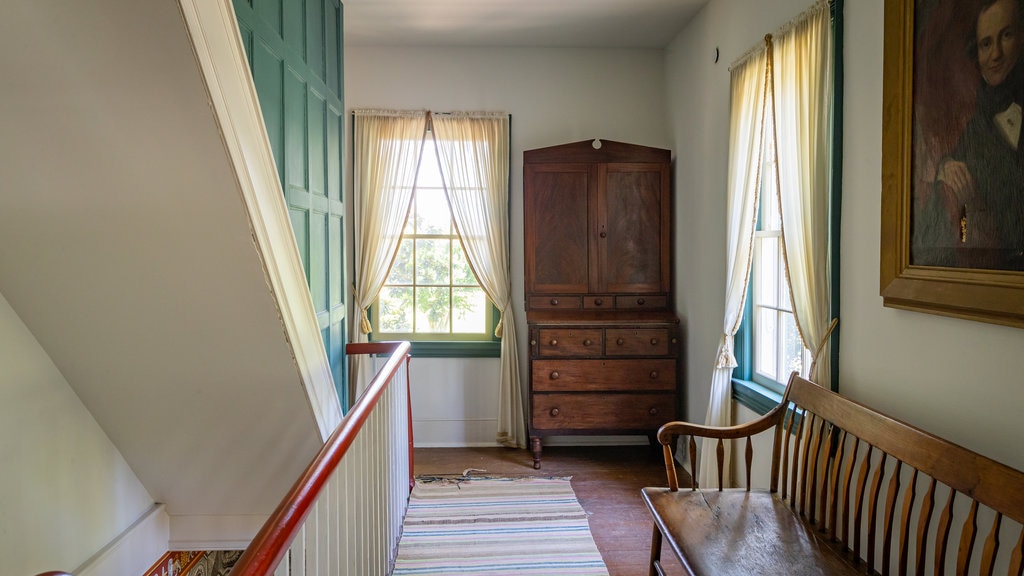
[754, 396]
[462, 349]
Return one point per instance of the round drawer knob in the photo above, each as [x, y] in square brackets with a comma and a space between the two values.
[674, 340]
[554, 375]
[641, 301]
[554, 412]
[598, 301]
[554, 301]
[533, 342]
[620, 341]
[587, 341]
[554, 342]
[653, 411]
[654, 341]
[654, 374]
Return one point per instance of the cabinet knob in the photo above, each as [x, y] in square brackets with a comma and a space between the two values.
[654, 341]
[598, 301]
[554, 412]
[533, 342]
[620, 341]
[603, 234]
[587, 342]
[654, 374]
[554, 342]
[674, 340]
[653, 411]
[641, 301]
[554, 375]
[554, 301]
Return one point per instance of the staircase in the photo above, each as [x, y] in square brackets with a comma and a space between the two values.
[145, 246]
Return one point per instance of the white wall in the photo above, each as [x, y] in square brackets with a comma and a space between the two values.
[555, 96]
[65, 490]
[959, 379]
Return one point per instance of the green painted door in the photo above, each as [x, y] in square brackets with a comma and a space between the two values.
[294, 49]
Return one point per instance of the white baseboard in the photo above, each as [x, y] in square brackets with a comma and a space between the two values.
[134, 550]
[200, 532]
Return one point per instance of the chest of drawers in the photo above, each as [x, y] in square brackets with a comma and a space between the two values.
[602, 378]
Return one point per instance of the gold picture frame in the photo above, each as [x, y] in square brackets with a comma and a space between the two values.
[983, 294]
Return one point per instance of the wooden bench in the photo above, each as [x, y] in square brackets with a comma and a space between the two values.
[851, 491]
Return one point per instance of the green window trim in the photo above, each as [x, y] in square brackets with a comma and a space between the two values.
[464, 349]
[761, 399]
[448, 345]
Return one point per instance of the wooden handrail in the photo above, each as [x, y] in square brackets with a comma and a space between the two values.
[271, 543]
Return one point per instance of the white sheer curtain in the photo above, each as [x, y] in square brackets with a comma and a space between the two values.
[387, 146]
[746, 141]
[473, 149]
[802, 83]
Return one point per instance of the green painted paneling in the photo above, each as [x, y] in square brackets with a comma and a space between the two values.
[295, 55]
[315, 37]
[318, 261]
[296, 166]
[317, 146]
[268, 71]
[270, 12]
[295, 27]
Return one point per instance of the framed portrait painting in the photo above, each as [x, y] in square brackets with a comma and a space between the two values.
[952, 239]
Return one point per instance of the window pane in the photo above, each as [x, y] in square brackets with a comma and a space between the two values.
[792, 346]
[784, 299]
[429, 175]
[462, 274]
[469, 311]
[432, 261]
[401, 270]
[766, 353]
[767, 272]
[432, 213]
[770, 217]
[433, 309]
[395, 310]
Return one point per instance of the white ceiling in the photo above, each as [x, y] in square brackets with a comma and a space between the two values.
[548, 23]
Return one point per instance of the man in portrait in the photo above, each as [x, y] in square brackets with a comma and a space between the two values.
[970, 212]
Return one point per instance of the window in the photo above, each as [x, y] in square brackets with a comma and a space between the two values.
[431, 292]
[804, 119]
[777, 348]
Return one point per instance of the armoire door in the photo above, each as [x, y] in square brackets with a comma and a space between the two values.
[634, 221]
[556, 234]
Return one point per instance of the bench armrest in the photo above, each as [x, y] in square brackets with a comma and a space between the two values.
[669, 431]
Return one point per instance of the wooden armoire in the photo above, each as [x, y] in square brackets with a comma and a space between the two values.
[604, 339]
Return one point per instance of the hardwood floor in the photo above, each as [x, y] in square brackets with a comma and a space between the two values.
[607, 481]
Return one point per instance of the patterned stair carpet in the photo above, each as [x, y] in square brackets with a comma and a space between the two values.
[496, 526]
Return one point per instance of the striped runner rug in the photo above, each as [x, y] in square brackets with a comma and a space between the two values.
[496, 526]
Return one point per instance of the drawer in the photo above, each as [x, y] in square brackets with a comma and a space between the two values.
[558, 342]
[611, 412]
[638, 342]
[603, 375]
[599, 302]
[641, 301]
[555, 302]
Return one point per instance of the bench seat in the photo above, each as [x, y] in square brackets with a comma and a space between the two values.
[740, 533]
[849, 491]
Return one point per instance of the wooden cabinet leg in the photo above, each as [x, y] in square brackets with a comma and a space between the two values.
[535, 447]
